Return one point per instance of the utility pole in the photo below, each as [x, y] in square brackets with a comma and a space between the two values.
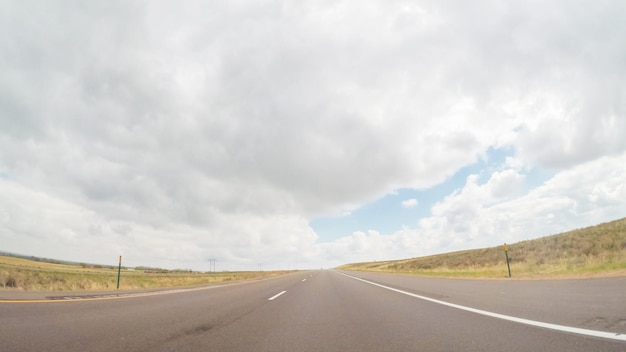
[119, 271]
[506, 254]
[212, 265]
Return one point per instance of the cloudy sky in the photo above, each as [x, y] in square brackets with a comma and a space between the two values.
[305, 134]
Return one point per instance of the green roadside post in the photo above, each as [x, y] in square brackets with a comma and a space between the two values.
[119, 271]
[506, 254]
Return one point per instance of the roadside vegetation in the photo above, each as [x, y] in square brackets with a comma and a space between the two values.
[594, 251]
[35, 275]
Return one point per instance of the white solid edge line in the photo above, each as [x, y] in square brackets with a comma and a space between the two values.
[276, 296]
[595, 333]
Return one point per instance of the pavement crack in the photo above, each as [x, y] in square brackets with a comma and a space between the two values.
[194, 331]
[200, 329]
[595, 321]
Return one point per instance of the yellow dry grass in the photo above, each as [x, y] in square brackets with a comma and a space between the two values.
[28, 275]
[30, 264]
[593, 251]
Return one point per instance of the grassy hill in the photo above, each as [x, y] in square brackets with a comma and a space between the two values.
[596, 250]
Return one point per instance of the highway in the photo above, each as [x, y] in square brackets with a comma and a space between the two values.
[331, 311]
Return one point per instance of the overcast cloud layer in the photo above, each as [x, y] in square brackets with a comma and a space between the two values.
[174, 132]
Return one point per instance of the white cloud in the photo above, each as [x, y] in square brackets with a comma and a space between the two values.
[586, 195]
[201, 123]
[409, 203]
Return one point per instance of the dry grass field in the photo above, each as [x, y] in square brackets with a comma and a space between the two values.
[593, 251]
[29, 275]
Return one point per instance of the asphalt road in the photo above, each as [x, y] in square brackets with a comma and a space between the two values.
[329, 311]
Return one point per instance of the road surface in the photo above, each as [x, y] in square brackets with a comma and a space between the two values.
[331, 311]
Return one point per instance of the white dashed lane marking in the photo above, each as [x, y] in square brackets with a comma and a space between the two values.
[276, 296]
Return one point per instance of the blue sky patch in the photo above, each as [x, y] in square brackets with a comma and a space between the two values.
[387, 215]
